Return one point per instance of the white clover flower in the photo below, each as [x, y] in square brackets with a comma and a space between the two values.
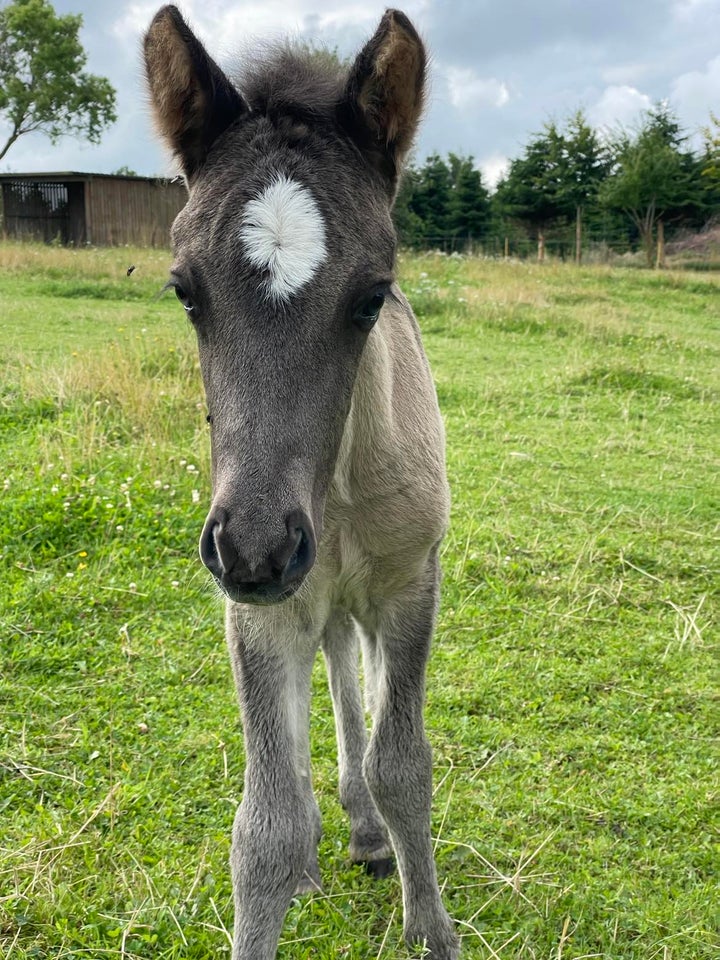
[196, 496]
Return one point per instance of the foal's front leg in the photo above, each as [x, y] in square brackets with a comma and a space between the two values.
[398, 763]
[277, 825]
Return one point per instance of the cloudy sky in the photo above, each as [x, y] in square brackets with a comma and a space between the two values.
[500, 68]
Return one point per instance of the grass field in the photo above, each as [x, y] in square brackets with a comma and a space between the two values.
[572, 701]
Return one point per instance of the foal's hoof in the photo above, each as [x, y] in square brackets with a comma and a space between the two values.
[380, 869]
[435, 935]
[308, 884]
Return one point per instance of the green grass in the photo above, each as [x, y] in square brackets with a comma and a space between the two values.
[572, 695]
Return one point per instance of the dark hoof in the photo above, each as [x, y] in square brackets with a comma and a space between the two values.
[380, 869]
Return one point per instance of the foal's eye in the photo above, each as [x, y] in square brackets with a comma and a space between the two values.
[184, 298]
[368, 311]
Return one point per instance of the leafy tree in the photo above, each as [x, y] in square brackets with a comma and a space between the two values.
[711, 164]
[653, 180]
[43, 86]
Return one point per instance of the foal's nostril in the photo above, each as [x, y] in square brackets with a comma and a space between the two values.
[208, 548]
[216, 550]
[302, 556]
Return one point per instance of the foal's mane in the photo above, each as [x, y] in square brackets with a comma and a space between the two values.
[293, 79]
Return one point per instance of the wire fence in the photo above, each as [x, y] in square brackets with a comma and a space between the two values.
[699, 250]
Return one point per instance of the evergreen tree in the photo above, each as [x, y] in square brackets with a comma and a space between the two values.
[469, 211]
[531, 192]
[409, 225]
[431, 200]
[583, 167]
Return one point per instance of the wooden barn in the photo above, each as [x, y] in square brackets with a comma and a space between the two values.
[90, 208]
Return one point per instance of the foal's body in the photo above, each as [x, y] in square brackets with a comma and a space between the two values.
[376, 570]
[330, 497]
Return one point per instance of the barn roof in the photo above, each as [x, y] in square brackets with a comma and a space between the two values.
[74, 176]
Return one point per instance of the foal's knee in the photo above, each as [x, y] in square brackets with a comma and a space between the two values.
[270, 846]
[398, 773]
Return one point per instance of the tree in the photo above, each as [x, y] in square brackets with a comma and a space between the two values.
[43, 86]
[408, 224]
[582, 169]
[653, 180]
[709, 162]
[469, 203]
[431, 199]
[711, 165]
[531, 190]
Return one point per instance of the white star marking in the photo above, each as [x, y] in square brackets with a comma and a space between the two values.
[284, 235]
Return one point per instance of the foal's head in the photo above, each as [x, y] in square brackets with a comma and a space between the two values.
[284, 255]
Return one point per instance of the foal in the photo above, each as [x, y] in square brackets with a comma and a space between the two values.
[329, 489]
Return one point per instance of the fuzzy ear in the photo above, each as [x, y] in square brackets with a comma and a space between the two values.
[193, 101]
[385, 92]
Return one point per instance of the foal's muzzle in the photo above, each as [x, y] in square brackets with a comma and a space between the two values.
[272, 579]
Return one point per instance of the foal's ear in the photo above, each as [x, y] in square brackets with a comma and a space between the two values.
[192, 99]
[385, 92]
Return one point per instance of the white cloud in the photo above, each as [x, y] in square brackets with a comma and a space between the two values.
[619, 106]
[133, 21]
[493, 169]
[689, 9]
[696, 93]
[624, 74]
[499, 70]
[467, 89]
[224, 26]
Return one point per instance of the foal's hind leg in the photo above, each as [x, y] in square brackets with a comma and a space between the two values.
[369, 843]
[398, 763]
